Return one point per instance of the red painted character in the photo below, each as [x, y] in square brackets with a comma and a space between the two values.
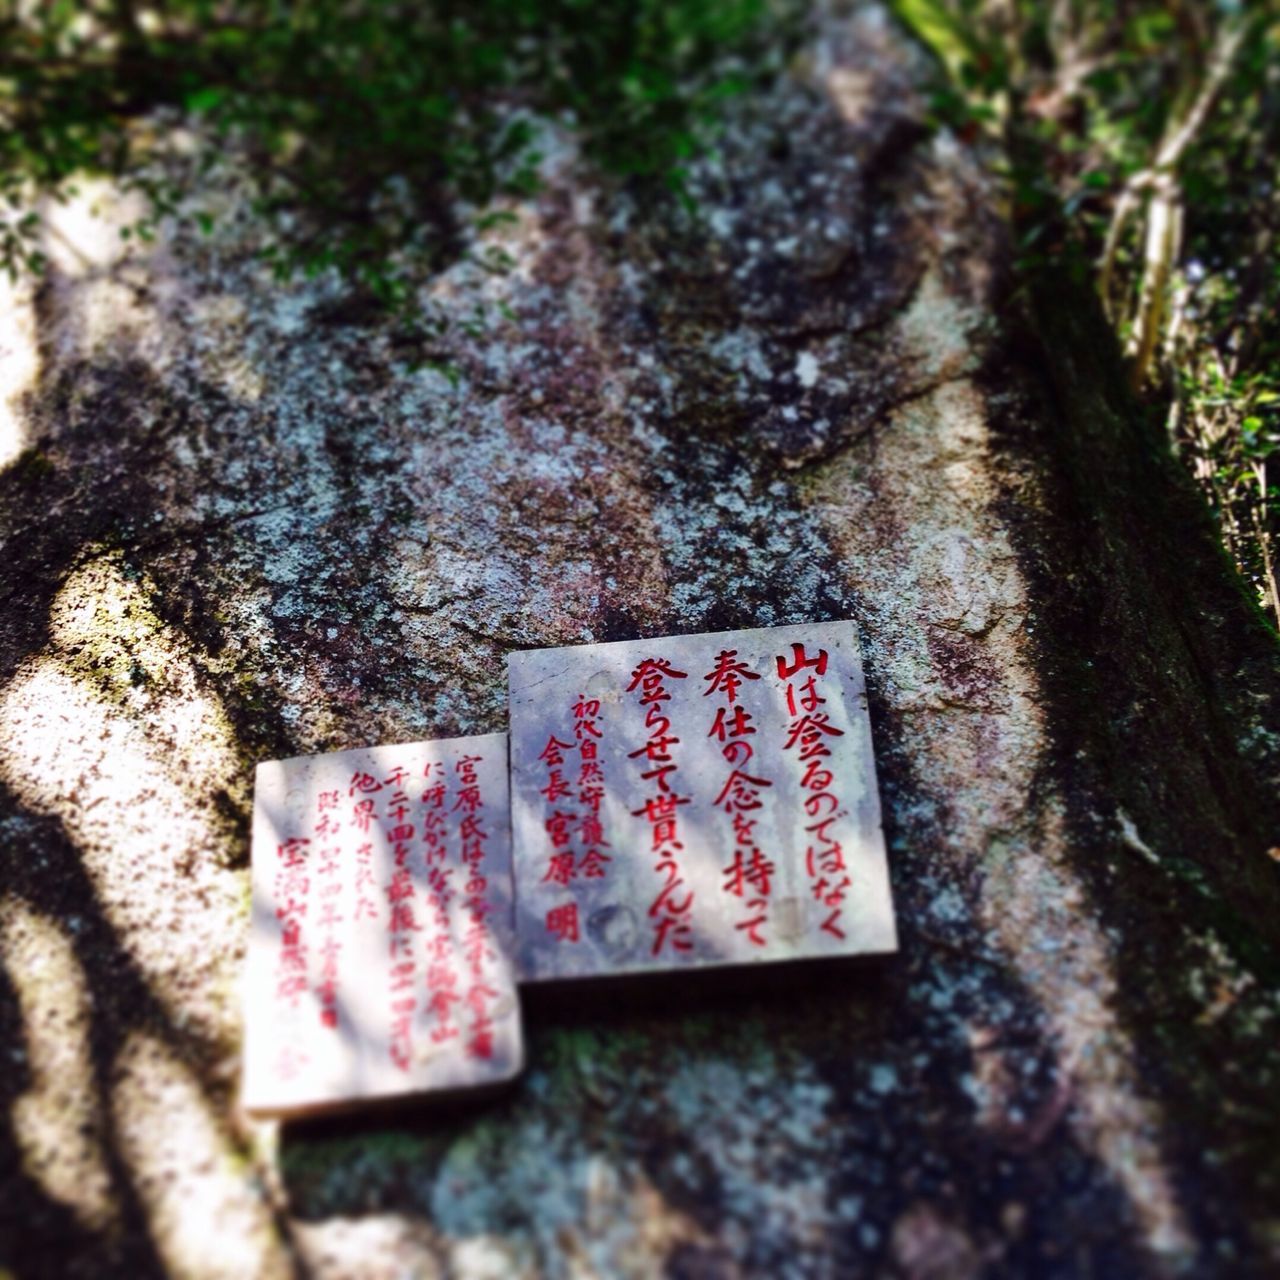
[362, 814]
[562, 922]
[741, 791]
[799, 660]
[293, 851]
[551, 753]
[755, 871]
[593, 864]
[673, 930]
[398, 807]
[728, 675]
[649, 676]
[558, 828]
[560, 868]
[735, 725]
[556, 787]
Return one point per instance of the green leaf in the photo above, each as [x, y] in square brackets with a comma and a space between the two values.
[939, 28]
[205, 100]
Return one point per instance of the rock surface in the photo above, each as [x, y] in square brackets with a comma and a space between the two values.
[239, 525]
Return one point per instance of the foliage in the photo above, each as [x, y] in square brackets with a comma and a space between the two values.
[366, 122]
[380, 137]
[1140, 138]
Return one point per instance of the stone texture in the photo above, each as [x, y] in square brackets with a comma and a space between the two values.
[239, 526]
[709, 849]
[381, 945]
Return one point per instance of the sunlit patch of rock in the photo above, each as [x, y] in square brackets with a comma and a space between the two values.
[110, 730]
[101, 282]
[57, 1121]
[383, 1246]
[19, 363]
[206, 1217]
[979, 744]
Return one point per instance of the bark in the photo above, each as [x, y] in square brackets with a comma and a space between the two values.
[239, 526]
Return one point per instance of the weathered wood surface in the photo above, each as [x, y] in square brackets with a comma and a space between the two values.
[237, 527]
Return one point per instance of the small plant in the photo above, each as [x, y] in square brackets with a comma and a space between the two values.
[1141, 138]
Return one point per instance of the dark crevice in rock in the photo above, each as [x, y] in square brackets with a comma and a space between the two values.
[1139, 739]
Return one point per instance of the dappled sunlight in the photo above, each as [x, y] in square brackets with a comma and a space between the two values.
[100, 285]
[57, 1123]
[19, 363]
[102, 627]
[1040, 911]
[207, 1218]
[377, 1245]
[111, 295]
[83, 232]
[110, 730]
[954, 599]
[325, 412]
[854, 91]
[505, 257]
[1031, 899]
[851, 65]
[937, 330]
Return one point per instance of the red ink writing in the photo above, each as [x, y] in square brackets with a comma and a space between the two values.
[670, 909]
[808, 735]
[749, 875]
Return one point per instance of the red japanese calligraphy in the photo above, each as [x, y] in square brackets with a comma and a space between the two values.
[366, 905]
[593, 862]
[478, 951]
[800, 660]
[574, 830]
[808, 739]
[561, 862]
[441, 978]
[404, 919]
[435, 821]
[749, 875]
[671, 907]
[393, 869]
[562, 922]
[362, 814]
[329, 891]
[728, 675]
[291, 891]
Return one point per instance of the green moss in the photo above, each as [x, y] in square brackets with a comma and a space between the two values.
[423, 105]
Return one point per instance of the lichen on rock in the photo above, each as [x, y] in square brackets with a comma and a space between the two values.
[257, 530]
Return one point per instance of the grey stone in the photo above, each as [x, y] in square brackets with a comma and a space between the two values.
[243, 530]
[680, 802]
[379, 958]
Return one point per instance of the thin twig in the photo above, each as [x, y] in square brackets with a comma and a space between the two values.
[1173, 146]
